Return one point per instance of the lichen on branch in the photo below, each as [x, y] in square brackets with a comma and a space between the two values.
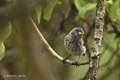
[98, 36]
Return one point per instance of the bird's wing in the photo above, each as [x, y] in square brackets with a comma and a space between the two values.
[67, 38]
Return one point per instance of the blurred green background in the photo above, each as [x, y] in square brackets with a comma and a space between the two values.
[25, 56]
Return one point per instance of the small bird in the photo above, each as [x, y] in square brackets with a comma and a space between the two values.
[73, 43]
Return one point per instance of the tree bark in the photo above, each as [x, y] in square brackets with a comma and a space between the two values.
[98, 35]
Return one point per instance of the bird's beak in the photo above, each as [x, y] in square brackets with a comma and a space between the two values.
[80, 33]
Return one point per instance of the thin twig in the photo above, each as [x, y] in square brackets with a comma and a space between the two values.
[51, 50]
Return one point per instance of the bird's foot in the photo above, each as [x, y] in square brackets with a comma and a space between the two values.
[64, 60]
[95, 56]
[76, 63]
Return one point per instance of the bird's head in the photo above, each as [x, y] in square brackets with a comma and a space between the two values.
[77, 32]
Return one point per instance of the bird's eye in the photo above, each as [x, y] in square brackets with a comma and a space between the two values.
[77, 30]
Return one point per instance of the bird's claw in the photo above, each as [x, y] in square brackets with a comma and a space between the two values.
[64, 60]
[76, 63]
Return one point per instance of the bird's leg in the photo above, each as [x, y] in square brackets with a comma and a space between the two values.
[76, 62]
[78, 59]
[64, 60]
[94, 56]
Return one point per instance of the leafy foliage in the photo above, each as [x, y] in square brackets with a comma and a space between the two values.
[48, 9]
[83, 7]
[113, 10]
[5, 31]
[38, 9]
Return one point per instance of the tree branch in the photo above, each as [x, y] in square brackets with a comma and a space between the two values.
[98, 35]
[51, 50]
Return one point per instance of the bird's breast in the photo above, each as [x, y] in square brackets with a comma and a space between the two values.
[73, 47]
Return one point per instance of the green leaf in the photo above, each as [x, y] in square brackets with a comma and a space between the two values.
[110, 2]
[79, 4]
[38, 9]
[83, 10]
[5, 31]
[2, 50]
[118, 13]
[48, 9]
[113, 9]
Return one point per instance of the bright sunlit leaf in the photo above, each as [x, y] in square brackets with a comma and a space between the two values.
[77, 4]
[5, 31]
[38, 9]
[2, 49]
